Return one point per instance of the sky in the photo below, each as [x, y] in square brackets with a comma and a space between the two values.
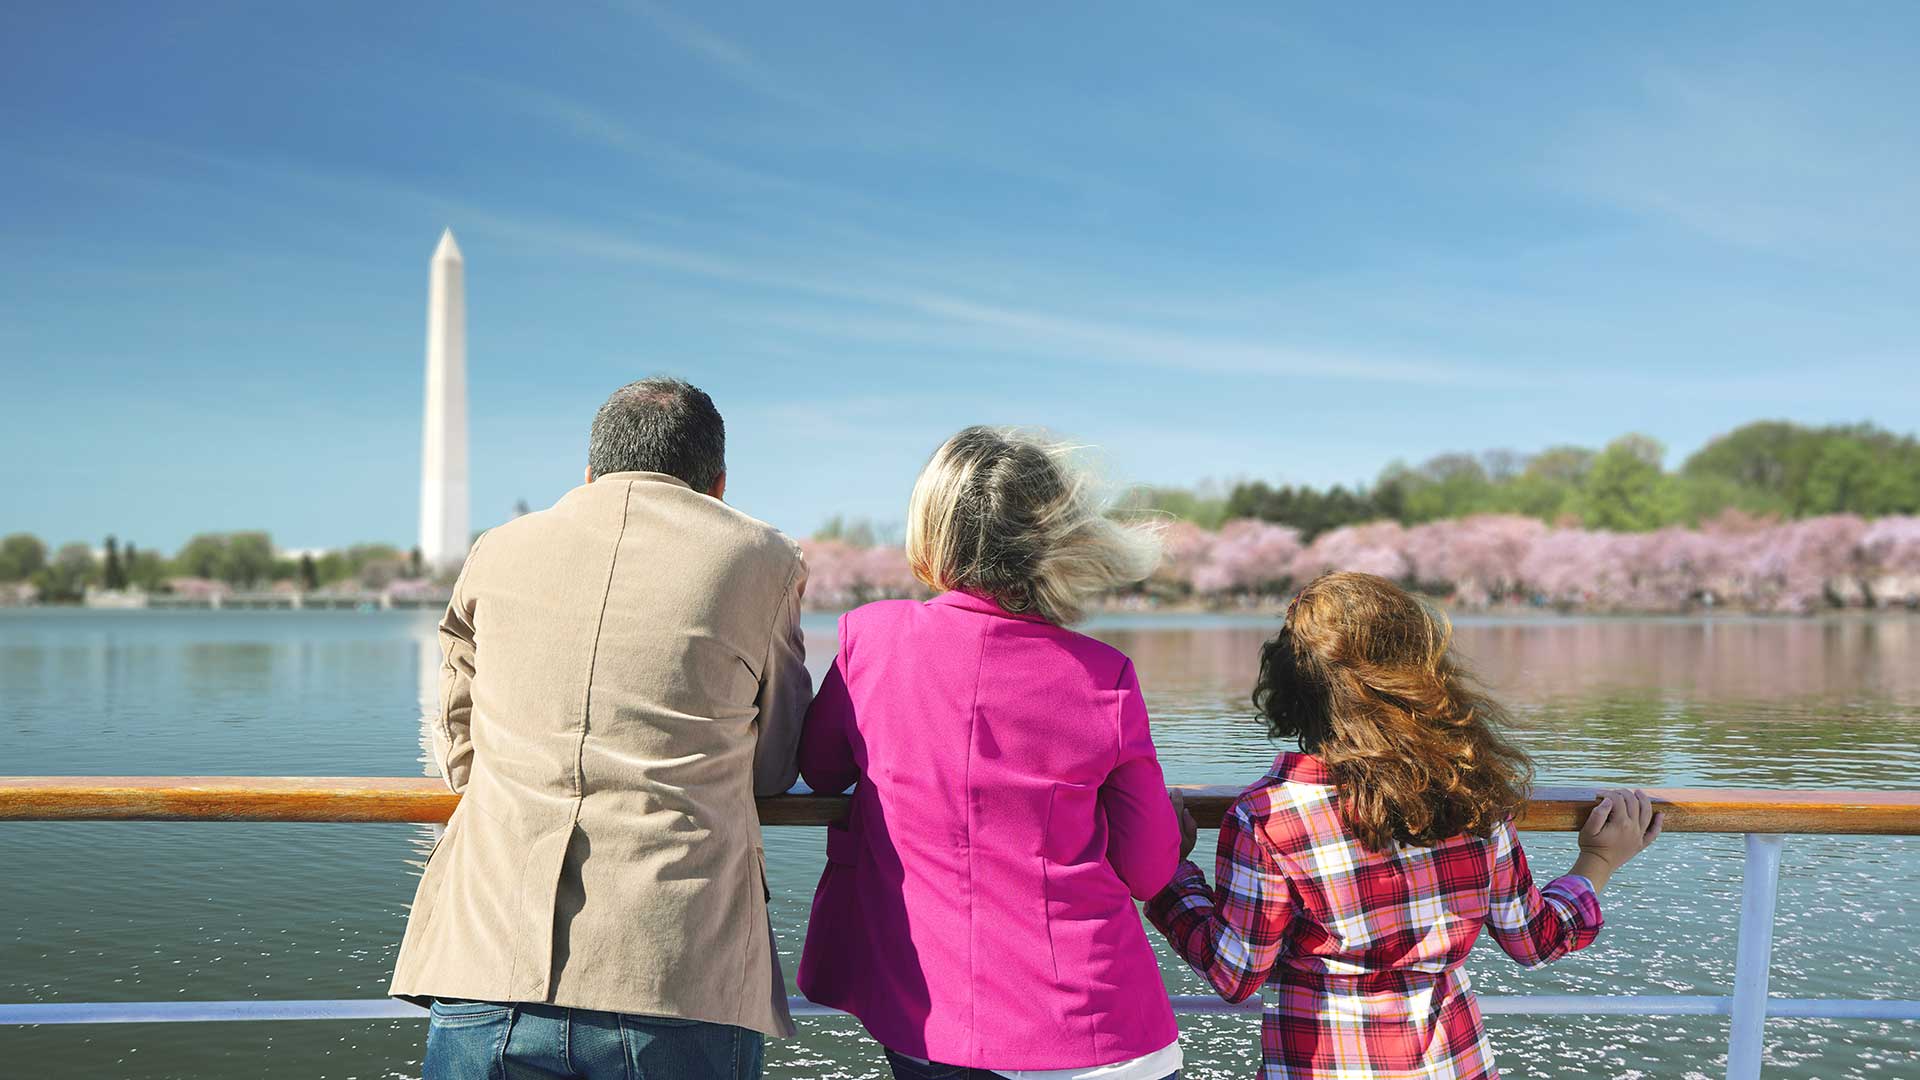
[1220, 242]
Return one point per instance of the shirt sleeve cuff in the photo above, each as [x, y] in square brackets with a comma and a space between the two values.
[1575, 893]
[1187, 881]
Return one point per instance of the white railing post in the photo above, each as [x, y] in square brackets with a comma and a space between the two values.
[1752, 963]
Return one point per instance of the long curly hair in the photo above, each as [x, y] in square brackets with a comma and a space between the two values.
[1362, 676]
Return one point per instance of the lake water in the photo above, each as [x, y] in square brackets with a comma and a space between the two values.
[137, 912]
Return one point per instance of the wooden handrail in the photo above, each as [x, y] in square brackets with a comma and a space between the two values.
[420, 799]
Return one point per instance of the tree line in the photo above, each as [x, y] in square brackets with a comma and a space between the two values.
[242, 560]
[1769, 469]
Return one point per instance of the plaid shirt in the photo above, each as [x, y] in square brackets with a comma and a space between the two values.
[1363, 949]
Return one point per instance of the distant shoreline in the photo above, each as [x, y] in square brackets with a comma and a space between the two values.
[1264, 609]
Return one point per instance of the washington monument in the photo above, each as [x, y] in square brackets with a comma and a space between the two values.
[445, 528]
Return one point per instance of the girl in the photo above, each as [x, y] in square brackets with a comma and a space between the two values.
[1355, 876]
[976, 912]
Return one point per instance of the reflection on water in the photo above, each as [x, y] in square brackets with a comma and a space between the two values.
[427, 660]
[1728, 703]
[175, 912]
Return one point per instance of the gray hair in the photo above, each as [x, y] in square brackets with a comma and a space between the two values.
[1011, 516]
[660, 425]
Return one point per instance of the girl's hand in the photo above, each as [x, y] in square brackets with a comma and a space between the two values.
[1189, 829]
[1620, 827]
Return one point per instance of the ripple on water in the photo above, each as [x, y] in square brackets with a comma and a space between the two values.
[169, 912]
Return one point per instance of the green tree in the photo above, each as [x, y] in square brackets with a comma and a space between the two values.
[241, 559]
[1626, 489]
[113, 575]
[202, 557]
[1547, 485]
[1699, 498]
[1448, 486]
[66, 578]
[144, 569]
[1771, 456]
[1310, 510]
[22, 555]
[309, 573]
[1795, 470]
[1204, 508]
[249, 559]
[1848, 477]
[858, 532]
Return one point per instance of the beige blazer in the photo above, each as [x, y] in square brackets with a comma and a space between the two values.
[624, 672]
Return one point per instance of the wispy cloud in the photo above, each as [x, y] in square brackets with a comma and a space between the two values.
[586, 123]
[852, 299]
[1002, 328]
[726, 57]
[864, 126]
[1731, 157]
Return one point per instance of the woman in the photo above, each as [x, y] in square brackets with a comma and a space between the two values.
[976, 912]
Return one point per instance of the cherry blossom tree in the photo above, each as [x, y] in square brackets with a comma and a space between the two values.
[1732, 560]
[1186, 548]
[1798, 564]
[840, 575]
[1378, 547]
[1247, 556]
[1890, 551]
[1478, 558]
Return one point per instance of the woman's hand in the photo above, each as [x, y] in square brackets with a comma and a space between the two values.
[1622, 826]
[1189, 830]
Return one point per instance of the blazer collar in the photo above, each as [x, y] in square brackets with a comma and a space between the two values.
[651, 477]
[967, 601]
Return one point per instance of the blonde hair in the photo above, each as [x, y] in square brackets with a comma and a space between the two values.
[1010, 515]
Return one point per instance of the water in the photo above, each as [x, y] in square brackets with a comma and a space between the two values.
[123, 911]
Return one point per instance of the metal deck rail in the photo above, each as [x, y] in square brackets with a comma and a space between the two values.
[1766, 817]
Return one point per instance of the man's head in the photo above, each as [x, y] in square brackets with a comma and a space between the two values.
[661, 425]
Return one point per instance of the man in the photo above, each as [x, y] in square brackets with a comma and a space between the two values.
[624, 674]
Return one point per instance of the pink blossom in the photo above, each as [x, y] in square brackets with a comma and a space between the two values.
[1891, 545]
[1479, 556]
[1793, 569]
[842, 576]
[198, 588]
[1378, 547]
[414, 589]
[1733, 560]
[1247, 555]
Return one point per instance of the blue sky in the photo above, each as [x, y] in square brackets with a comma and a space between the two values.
[1262, 242]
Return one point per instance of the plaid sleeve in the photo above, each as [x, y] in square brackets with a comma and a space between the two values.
[1537, 926]
[1230, 934]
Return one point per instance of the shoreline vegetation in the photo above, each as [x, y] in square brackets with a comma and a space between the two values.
[1489, 562]
[1773, 517]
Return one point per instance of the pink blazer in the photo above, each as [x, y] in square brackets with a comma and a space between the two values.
[977, 907]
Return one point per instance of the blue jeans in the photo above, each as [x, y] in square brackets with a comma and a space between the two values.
[479, 1040]
[909, 1069]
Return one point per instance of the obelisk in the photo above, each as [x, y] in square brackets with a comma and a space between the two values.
[444, 523]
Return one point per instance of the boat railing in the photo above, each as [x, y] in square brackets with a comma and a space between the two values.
[1766, 818]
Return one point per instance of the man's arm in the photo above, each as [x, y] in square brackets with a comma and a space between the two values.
[453, 728]
[785, 690]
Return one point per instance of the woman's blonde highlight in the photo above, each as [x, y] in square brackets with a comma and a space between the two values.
[1014, 516]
